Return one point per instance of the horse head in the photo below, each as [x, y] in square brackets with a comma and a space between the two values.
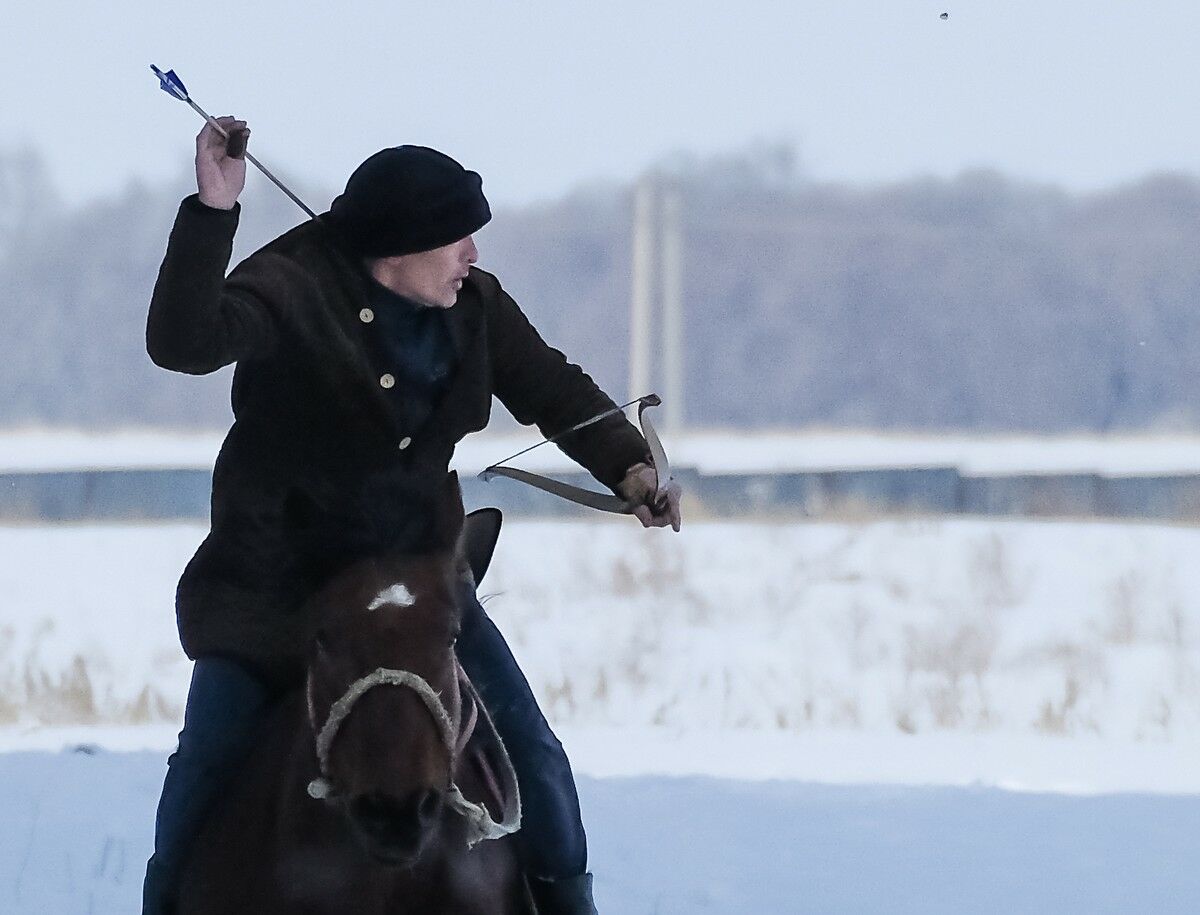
[387, 699]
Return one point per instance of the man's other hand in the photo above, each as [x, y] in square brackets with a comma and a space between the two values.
[639, 488]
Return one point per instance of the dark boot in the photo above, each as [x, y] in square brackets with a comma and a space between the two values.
[564, 896]
[158, 891]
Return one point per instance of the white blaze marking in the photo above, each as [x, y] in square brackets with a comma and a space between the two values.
[397, 595]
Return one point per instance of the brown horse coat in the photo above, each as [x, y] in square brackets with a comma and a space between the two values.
[269, 847]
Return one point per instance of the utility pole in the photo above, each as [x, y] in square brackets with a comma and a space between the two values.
[672, 310]
[657, 290]
[642, 302]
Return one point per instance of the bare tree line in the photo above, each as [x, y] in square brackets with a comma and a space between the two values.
[979, 303]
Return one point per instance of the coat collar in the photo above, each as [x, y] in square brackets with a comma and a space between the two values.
[462, 320]
[345, 291]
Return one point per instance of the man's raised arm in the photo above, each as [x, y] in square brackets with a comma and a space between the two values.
[195, 324]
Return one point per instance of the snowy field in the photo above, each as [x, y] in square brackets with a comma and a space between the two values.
[916, 716]
[77, 835]
[911, 628]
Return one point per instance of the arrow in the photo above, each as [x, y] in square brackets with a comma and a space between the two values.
[174, 87]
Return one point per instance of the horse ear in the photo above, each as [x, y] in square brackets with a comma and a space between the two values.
[479, 540]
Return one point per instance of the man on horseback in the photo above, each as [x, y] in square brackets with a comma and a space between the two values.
[367, 346]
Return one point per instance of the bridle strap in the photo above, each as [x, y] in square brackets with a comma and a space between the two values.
[465, 730]
[341, 709]
[481, 825]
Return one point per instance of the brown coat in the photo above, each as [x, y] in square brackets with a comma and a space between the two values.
[312, 474]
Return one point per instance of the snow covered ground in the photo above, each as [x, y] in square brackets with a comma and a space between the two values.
[918, 627]
[913, 716]
[77, 832]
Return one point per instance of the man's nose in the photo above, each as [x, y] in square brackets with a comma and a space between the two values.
[472, 252]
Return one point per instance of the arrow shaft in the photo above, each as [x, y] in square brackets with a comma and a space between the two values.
[279, 184]
[172, 84]
[250, 158]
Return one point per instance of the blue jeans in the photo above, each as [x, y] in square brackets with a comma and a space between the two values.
[227, 705]
[551, 839]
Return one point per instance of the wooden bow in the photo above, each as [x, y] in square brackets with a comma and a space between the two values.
[587, 497]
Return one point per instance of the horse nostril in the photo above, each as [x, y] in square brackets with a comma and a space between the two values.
[396, 821]
[376, 812]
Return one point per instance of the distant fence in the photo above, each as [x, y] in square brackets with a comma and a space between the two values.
[118, 495]
[183, 494]
[945, 490]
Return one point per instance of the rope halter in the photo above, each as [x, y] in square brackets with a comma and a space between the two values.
[480, 824]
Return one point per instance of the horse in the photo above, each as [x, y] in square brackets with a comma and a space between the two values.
[381, 786]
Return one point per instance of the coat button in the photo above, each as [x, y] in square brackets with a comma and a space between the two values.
[386, 381]
[405, 442]
[366, 316]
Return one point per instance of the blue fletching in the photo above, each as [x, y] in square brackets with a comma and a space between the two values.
[170, 83]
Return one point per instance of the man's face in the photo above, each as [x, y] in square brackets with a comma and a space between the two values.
[430, 277]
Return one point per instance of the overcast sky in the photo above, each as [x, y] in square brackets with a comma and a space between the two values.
[541, 97]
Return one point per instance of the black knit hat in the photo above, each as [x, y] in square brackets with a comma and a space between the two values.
[408, 199]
